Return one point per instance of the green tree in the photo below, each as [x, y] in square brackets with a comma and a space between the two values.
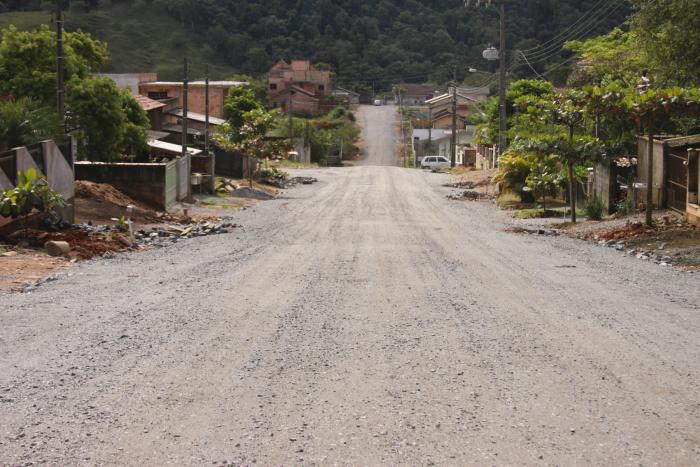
[258, 86]
[566, 110]
[136, 125]
[28, 61]
[249, 138]
[239, 102]
[669, 33]
[611, 58]
[545, 178]
[108, 119]
[22, 122]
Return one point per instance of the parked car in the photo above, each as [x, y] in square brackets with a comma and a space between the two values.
[377, 102]
[435, 163]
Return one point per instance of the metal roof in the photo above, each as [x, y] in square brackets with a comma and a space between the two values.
[197, 117]
[225, 84]
[172, 148]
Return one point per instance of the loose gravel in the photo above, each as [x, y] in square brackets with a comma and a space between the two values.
[363, 320]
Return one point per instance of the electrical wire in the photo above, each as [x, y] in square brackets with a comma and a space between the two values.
[563, 32]
[546, 55]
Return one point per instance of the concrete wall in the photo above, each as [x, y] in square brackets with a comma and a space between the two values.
[603, 185]
[142, 182]
[49, 161]
[659, 168]
[130, 80]
[158, 185]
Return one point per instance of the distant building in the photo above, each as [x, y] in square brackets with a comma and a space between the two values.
[346, 96]
[299, 86]
[154, 109]
[441, 109]
[420, 94]
[130, 80]
[170, 93]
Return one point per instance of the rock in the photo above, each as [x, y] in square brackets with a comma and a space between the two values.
[7, 254]
[57, 248]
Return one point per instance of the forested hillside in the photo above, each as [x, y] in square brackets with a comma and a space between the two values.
[361, 41]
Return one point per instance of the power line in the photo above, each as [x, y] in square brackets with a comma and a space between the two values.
[556, 49]
[563, 32]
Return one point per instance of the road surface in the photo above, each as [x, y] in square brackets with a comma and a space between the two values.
[379, 135]
[365, 320]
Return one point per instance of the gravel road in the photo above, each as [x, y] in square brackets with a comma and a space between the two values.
[379, 134]
[364, 320]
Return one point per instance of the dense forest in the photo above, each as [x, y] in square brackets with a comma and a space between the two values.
[363, 42]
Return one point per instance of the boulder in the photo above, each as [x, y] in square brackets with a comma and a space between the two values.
[57, 248]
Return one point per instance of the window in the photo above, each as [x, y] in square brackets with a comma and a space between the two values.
[321, 87]
[273, 86]
[158, 95]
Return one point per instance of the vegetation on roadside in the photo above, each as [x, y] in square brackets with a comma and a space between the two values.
[109, 120]
[32, 192]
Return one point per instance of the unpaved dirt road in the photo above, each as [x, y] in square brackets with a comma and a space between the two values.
[379, 134]
[364, 320]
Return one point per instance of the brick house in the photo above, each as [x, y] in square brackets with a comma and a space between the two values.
[300, 85]
[170, 93]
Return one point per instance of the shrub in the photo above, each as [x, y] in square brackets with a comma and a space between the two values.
[32, 192]
[514, 168]
[624, 207]
[272, 173]
[594, 208]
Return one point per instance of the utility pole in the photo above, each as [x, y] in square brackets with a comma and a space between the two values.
[206, 111]
[430, 132]
[60, 84]
[503, 132]
[453, 161]
[185, 96]
[290, 123]
[502, 110]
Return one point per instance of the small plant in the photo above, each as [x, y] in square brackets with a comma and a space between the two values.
[624, 207]
[32, 192]
[272, 173]
[594, 208]
[122, 223]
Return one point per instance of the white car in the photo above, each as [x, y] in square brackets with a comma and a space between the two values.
[435, 163]
[377, 102]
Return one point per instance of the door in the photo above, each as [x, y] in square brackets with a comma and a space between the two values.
[676, 179]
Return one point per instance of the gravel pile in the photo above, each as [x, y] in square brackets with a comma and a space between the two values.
[469, 195]
[619, 245]
[164, 236]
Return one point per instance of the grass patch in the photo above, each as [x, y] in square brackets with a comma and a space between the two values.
[509, 200]
[538, 213]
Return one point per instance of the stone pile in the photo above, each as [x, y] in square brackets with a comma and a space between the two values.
[619, 245]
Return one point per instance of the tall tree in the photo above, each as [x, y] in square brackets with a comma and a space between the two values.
[23, 122]
[669, 31]
[28, 61]
[109, 120]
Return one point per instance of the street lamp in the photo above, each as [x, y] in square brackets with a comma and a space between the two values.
[493, 54]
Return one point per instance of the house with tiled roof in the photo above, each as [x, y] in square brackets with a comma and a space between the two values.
[299, 86]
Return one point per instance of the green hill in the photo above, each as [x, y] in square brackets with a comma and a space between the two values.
[139, 39]
[363, 42]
